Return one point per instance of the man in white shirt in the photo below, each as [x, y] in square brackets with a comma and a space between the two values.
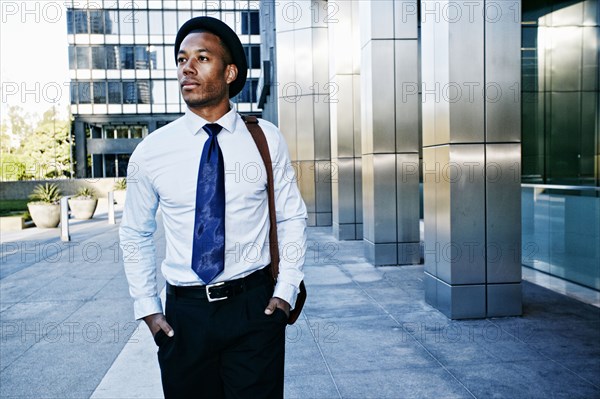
[224, 337]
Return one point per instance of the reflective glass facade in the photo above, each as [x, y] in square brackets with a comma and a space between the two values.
[561, 143]
[123, 70]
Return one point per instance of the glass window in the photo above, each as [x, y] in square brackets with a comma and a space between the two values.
[98, 57]
[95, 132]
[112, 57]
[252, 55]
[129, 93]
[172, 92]
[122, 161]
[143, 87]
[110, 27]
[122, 132]
[73, 89]
[108, 132]
[170, 58]
[156, 23]
[70, 18]
[184, 16]
[250, 23]
[96, 21]
[137, 132]
[80, 19]
[158, 92]
[72, 59]
[153, 58]
[114, 92]
[248, 93]
[83, 57]
[84, 92]
[141, 57]
[170, 25]
[141, 23]
[126, 22]
[109, 165]
[95, 165]
[100, 92]
[126, 57]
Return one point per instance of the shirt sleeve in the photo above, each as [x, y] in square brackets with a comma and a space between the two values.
[291, 225]
[136, 235]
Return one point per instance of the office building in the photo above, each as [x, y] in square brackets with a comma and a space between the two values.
[124, 77]
[480, 118]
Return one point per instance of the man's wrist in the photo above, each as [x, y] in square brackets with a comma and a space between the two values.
[143, 307]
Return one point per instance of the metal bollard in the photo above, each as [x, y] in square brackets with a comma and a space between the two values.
[111, 207]
[64, 219]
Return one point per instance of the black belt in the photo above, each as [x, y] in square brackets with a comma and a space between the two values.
[223, 290]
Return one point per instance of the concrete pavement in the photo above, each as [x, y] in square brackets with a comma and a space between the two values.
[67, 330]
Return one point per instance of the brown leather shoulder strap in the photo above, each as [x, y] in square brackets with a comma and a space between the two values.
[263, 148]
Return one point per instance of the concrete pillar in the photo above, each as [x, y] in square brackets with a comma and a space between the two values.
[390, 131]
[471, 157]
[344, 75]
[303, 94]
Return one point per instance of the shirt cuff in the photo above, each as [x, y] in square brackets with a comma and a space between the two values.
[143, 307]
[287, 292]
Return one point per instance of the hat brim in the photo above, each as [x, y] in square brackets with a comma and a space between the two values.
[229, 38]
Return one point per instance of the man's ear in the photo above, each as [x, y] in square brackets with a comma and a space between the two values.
[231, 73]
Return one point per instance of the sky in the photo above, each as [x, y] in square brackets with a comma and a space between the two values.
[34, 65]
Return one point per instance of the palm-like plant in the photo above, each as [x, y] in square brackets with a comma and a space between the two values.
[120, 184]
[46, 194]
[85, 193]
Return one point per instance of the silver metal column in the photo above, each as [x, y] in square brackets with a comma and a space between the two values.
[390, 131]
[344, 70]
[471, 157]
[303, 93]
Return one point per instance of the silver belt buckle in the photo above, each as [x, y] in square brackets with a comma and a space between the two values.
[208, 287]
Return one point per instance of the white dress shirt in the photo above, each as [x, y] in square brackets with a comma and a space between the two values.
[163, 172]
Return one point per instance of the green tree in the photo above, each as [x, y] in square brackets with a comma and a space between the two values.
[46, 148]
[13, 128]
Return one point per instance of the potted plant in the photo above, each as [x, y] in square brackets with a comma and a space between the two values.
[44, 206]
[83, 204]
[119, 191]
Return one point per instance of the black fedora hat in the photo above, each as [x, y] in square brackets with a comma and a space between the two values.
[229, 38]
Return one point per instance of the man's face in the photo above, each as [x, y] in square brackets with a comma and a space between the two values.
[202, 71]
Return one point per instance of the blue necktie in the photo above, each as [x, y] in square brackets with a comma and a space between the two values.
[208, 252]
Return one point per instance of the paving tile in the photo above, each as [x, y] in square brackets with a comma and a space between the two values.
[301, 343]
[315, 386]
[326, 275]
[69, 288]
[403, 383]
[588, 369]
[58, 370]
[339, 302]
[528, 379]
[372, 344]
[369, 326]
[26, 324]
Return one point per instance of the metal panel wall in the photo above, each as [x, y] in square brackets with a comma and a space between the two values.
[390, 135]
[344, 83]
[302, 92]
[471, 150]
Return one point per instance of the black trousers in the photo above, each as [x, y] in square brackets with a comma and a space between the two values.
[225, 349]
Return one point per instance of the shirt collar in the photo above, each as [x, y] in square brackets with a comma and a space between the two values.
[195, 122]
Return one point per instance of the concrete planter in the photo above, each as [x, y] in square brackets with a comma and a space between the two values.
[44, 215]
[82, 208]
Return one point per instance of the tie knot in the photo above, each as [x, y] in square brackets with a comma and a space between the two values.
[212, 128]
